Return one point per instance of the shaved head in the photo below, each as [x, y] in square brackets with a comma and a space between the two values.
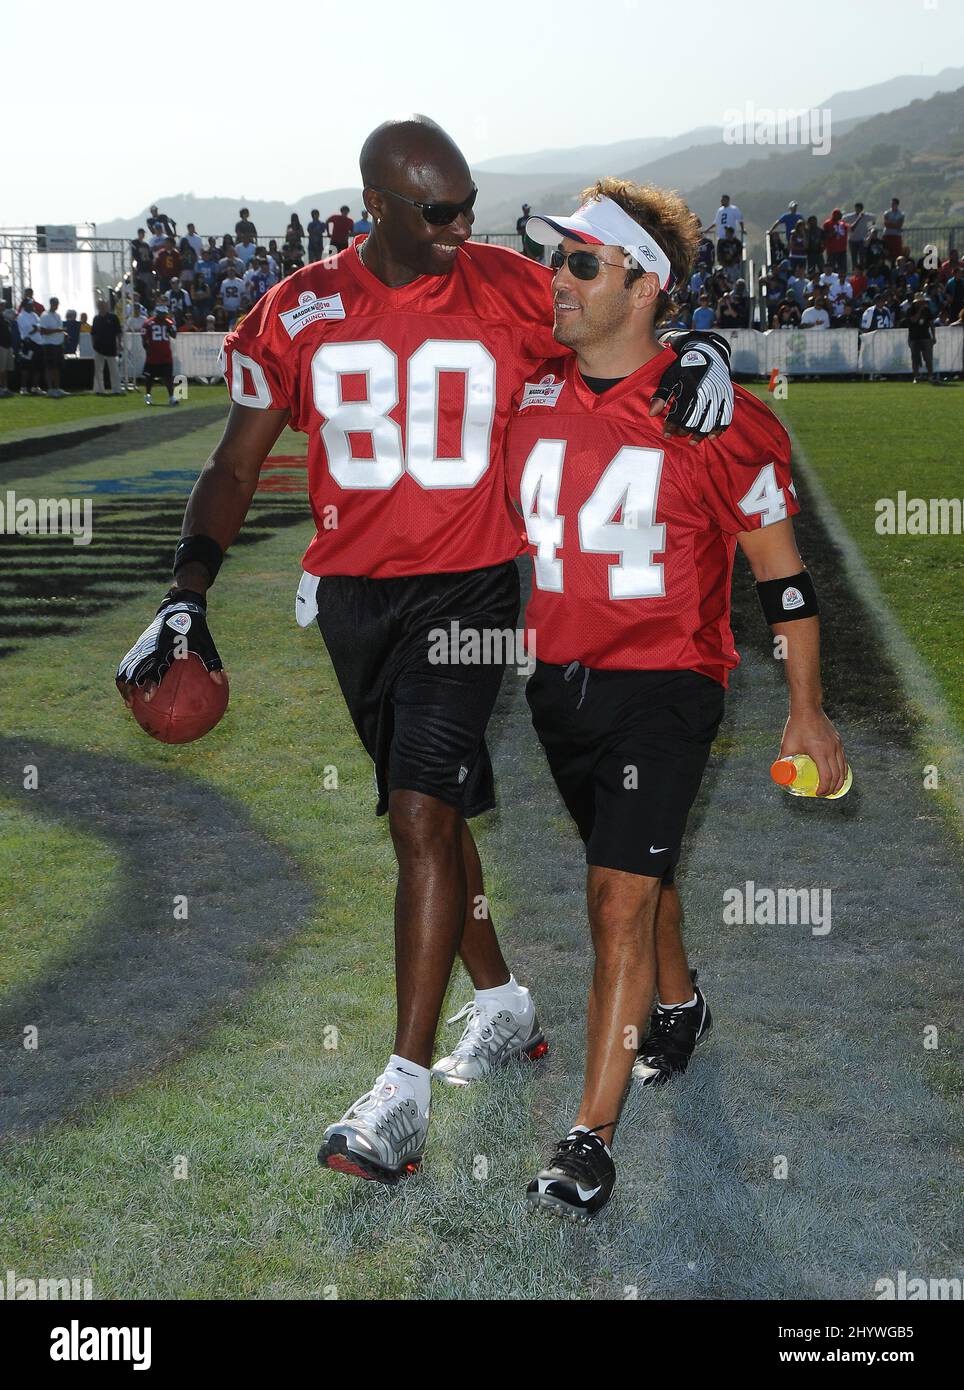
[413, 150]
[407, 165]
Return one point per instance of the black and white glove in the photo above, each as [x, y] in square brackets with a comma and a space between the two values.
[697, 385]
[182, 617]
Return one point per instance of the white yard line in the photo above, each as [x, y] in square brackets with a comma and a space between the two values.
[937, 737]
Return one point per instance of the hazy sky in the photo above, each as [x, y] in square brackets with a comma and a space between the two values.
[110, 108]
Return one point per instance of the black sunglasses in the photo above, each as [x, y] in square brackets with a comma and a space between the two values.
[437, 214]
[584, 265]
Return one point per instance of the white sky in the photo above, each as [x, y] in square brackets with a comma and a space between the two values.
[111, 108]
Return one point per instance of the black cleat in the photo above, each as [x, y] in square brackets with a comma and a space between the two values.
[674, 1035]
[579, 1180]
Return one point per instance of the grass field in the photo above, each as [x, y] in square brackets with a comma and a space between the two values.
[18, 413]
[185, 1166]
[868, 441]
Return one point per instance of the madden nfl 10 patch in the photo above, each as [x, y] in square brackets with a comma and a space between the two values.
[544, 392]
[310, 310]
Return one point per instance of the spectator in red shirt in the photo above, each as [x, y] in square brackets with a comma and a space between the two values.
[340, 227]
[952, 266]
[835, 232]
[858, 283]
[167, 263]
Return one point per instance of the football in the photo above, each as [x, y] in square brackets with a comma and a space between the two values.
[186, 705]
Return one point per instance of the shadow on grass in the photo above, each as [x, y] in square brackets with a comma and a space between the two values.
[145, 986]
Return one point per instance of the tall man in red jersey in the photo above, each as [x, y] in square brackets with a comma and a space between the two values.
[632, 538]
[399, 359]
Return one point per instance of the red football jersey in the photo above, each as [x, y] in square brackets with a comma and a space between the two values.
[632, 535]
[157, 335]
[405, 396]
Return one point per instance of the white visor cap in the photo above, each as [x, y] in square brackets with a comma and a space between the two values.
[601, 222]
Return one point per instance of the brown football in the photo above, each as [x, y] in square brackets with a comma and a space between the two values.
[186, 705]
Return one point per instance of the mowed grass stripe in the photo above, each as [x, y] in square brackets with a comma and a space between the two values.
[133, 537]
[30, 416]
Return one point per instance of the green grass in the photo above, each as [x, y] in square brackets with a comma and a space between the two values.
[255, 1217]
[41, 863]
[21, 413]
[868, 440]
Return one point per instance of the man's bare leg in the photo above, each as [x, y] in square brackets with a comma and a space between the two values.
[430, 909]
[479, 948]
[622, 920]
[673, 983]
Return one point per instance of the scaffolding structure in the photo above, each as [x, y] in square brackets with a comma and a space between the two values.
[112, 257]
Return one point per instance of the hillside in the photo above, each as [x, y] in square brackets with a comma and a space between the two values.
[915, 154]
[916, 151]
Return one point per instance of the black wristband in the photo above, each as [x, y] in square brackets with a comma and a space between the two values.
[200, 550]
[784, 600]
[176, 595]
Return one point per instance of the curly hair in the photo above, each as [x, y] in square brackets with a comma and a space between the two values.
[665, 216]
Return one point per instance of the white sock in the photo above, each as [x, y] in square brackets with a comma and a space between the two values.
[584, 1129]
[688, 1005]
[418, 1078]
[511, 995]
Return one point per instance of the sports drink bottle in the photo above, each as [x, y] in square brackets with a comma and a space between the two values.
[799, 776]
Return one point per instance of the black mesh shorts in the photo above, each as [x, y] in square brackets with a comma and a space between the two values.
[627, 750]
[419, 700]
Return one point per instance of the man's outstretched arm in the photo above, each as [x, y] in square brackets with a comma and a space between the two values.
[778, 569]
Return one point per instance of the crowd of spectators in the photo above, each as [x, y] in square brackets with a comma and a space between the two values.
[716, 294]
[845, 271]
[34, 337]
[201, 284]
[208, 283]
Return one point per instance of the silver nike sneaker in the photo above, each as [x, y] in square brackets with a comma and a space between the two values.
[381, 1137]
[491, 1039]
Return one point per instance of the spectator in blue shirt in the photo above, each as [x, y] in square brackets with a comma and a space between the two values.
[71, 331]
[363, 226]
[317, 231]
[786, 224]
[704, 315]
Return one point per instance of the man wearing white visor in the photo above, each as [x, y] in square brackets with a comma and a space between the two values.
[700, 382]
[632, 537]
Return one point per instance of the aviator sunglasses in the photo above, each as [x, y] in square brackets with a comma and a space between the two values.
[437, 214]
[584, 265]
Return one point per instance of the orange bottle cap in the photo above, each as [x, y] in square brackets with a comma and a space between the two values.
[783, 772]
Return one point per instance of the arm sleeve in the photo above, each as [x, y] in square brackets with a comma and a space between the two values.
[257, 371]
[533, 302]
[747, 482]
